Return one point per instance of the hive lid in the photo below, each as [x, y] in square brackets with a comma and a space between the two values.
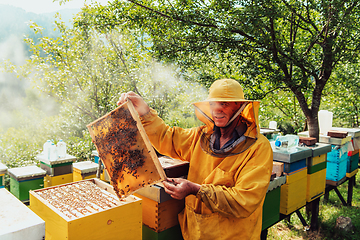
[66, 159]
[296, 154]
[125, 150]
[353, 132]
[17, 218]
[26, 172]
[327, 139]
[3, 168]
[86, 166]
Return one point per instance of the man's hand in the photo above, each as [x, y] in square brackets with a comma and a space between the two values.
[139, 104]
[179, 188]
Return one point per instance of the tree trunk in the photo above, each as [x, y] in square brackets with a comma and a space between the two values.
[313, 125]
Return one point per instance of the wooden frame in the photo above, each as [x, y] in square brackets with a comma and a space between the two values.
[126, 151]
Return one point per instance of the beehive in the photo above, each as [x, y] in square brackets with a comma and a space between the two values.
[337, 162]
[316, 170]
[293, 192]
[125, 150]
[56, 167]
[353, 162]
[17, 220]
[24, 179]
[84, 170]
[87, 209]
[271, 207]
[161, 216]
[57, 180]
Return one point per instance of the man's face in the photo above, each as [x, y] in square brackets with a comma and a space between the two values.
[223, 111]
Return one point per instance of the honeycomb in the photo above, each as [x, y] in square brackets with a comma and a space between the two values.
[125, 150]
[79, 199]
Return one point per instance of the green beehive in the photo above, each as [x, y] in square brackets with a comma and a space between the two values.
[271, 207]
[24, 179]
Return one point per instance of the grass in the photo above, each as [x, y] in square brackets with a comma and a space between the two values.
[328, 213]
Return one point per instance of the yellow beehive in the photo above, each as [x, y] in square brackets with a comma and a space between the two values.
[84, 170]
[318, 159]
[316, 184]
[293, 192]
[353, 173]
[57, 180]
[88, 210]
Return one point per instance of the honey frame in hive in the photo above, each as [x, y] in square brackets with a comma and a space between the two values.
[123, 220]
[125, 150]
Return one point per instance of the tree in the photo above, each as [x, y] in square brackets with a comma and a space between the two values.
[268, 45]
[344, 99]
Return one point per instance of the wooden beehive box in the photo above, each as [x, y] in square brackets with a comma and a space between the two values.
[125, 150]
[84, 170]
[161, 216]
[24, 179]
[87, 209]
[293, 192]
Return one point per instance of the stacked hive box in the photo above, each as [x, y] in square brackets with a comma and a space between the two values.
[271, 207]
[353, 160]
[17, 220]
[3, 171]
[316, 171]
[84, 170]
[293, 192]
[59, 171]
[160, 211]
[337, 160]
[24, 179]
[87, 209]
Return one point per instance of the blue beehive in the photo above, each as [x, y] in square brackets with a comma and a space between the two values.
[337, 162]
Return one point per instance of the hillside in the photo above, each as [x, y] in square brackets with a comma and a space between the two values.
[14, 21]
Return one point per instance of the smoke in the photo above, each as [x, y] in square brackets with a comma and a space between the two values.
[17, 96]
[170, 94]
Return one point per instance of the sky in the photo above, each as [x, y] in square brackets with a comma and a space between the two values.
[46, 6]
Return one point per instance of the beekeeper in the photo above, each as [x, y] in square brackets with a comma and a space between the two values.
[230, 163]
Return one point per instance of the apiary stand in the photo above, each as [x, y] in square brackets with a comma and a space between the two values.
[59, 171]
[24, 179]
[3, 171]
[87, 209]
[18, 221]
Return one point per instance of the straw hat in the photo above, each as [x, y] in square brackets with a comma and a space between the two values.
[226, 90]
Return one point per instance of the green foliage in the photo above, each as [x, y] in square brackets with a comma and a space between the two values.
[85, 72]
[266, 45]
[344, 99]
[81, 147]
